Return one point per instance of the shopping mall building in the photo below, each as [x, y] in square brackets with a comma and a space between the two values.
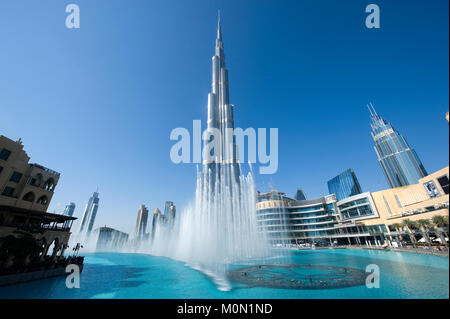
[365, 218]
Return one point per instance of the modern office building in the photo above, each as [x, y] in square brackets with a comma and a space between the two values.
[286, 220]
[171, 214]
[90, 212]
[141, 223]
[110, 239]
[362, 219]
[344, 185]
[399, 162]
[69, 209]
[158, 219]
[167, 207]
[300, 195]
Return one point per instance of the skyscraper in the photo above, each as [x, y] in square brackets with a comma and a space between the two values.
[344, 185]
[166, 207]
[300, 195]
[68, 211]
[141, 223]
[399, 162]
[90, 211]
[222, 159]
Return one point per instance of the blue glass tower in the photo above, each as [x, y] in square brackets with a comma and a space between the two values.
[344, 185]
[399, 162]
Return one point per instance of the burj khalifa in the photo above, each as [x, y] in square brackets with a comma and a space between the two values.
[222, 160]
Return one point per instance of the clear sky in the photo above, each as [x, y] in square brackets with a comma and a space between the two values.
[98, 103]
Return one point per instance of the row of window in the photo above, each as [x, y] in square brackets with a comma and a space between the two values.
[28, 197]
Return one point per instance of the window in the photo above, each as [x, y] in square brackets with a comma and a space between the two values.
[8, 191]
[387, 206]
[431, 189]
[4, 154]
[15, 177]
[1, 169]
[443, 181]
[398, 201]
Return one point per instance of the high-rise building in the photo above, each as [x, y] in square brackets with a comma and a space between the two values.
[167, 207]
[141, 223]
[69, 210]
[222, 161]
[300, 195]
[110, 239]
[399, 162]
[344, 185]
[90, 212]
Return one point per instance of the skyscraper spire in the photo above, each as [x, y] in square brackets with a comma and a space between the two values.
[219, 30]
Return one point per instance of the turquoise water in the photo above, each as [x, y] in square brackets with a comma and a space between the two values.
[114, 275]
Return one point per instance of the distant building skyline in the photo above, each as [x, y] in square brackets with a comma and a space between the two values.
[399, 162]
[344, 185]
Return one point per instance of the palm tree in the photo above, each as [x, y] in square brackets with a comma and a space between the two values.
[439, 221]
[408, 224]
[397, 228]
[424, 225]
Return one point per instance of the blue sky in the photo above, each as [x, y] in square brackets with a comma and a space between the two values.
[98, 103]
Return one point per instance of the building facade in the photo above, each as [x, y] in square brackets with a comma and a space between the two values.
[31, 239]
[141, 223]
[90, 212]
[427, 198]
[286, 220]
[24, 185]
[399, 162]
[300, 195]
[344, 185]
[110, 239]
[69, 209]
[362, 219]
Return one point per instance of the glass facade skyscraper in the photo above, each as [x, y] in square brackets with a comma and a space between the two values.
[344, 185]
[90, 212]
[399, 162]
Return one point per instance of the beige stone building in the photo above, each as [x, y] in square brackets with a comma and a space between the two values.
[22, 184]
[28, 234]
[418, 201]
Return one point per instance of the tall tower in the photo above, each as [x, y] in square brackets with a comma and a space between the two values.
[222, 160]
[399, 161]
[141, 223]
[90, 212]
[68, 211]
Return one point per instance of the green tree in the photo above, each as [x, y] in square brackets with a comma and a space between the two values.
[424, 225]
[397, 228]
[408, 224]
[439, 222]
